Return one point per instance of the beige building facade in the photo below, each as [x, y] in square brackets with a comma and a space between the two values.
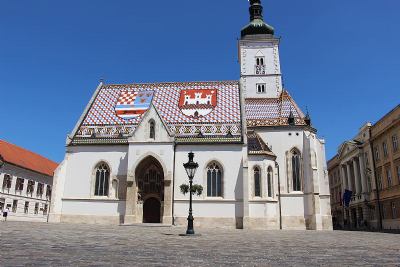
[385, 141]
[368, 167]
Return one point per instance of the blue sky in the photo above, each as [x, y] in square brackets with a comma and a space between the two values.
[339, 58]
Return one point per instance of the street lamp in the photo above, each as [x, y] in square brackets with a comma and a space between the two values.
[190, 168]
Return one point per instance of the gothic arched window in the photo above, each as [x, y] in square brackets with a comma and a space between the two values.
[269, 182]
[296, 175]
[102, 180]
[257, 182]
[214, 180]
[152, 130]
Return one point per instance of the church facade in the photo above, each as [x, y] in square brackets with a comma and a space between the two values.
[261, 164]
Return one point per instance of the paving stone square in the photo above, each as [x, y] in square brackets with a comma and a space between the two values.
[42, 244]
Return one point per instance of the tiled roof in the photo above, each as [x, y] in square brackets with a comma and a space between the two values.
[101, 119]
[26, 159]
[256, 146]
[272, 111]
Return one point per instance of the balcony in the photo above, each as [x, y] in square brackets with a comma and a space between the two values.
[260, 69]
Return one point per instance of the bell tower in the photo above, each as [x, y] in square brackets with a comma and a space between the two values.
[260, 70]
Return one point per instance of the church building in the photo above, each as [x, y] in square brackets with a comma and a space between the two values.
[261, 164]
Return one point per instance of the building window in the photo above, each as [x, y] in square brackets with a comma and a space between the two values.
[372, 213]
[48, 191]
[102, 180]
[7, 182]
[389, 177]
[394, 213]
[369, 183]
[45, 209]
[26, 207]
[152, 128]
[269, 181]
[366, 159]
[19, 185]
[257, 182]
[36, 208]
[214, 180]
[395, 143]
[296, 180]
[15, 206]
[385, 149]
[261, 88]
[379, 180]
[383, 209]
[377, 155]
[39, 191]
[31, 186]
[398, 173]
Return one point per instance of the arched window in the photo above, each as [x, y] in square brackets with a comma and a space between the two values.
[152, 130]
[296, 180]
[102, 180]
[269, 182]
[257, 182]
[214, 180]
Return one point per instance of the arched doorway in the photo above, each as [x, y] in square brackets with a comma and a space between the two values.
[152, 211]
[150, 188]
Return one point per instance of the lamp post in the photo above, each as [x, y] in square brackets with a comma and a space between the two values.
[190, 168]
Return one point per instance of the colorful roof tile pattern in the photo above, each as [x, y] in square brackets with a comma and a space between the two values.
[102, 120]
[26, 159]
[256, 146]
[272, 111]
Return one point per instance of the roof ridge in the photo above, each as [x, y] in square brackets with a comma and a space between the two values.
[36, 154]
[186, 82]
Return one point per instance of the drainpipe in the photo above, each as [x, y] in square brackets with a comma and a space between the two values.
[173, 186]
[371, 144]
[279, 196]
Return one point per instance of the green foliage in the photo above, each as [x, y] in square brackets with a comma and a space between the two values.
[184, 188]
[196, 189]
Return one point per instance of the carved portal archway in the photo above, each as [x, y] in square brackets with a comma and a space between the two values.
[150, 190]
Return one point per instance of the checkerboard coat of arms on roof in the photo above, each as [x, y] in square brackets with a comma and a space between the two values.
[198, 103]
[133, 104]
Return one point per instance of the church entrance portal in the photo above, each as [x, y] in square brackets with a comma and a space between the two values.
[150, 188]
[151, 211]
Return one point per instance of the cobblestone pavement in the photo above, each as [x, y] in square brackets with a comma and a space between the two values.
[38, 244]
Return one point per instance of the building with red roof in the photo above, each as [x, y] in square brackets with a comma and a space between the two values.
[26, 180]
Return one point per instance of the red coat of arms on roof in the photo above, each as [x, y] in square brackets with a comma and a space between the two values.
[198, 102]
[133, 104]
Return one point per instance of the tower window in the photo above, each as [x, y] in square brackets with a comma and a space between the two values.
[260, 66]
[261, 88]
[260, 61]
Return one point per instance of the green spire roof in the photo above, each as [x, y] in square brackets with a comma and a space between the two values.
[257, 24]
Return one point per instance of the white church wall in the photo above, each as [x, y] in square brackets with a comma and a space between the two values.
[82, 161]
[280, 142]
[223, 210]
[93, 207]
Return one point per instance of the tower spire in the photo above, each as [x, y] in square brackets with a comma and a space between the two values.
[257, 24]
